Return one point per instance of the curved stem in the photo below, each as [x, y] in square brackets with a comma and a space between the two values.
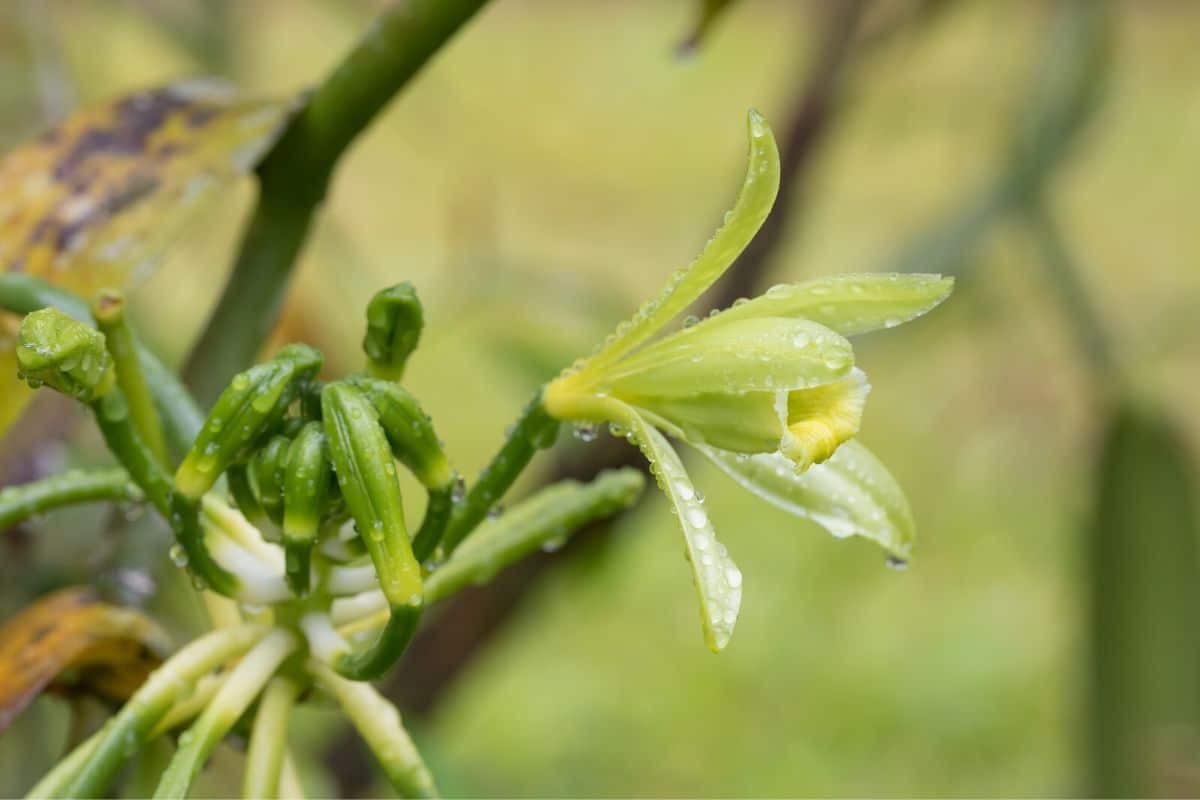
[122, 346]
[433, 525]
[125, 732]
[296, 173]
[55, 782]
[268, 739]
[534, 430]
[379, 723]
[289, 778]
[77, 486]
[231, 701]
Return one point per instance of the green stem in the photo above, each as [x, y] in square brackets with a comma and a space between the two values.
[113, 417]
[438, 508]
[56, 781]
[122, 346]
[268, 739]
[1084, 318]
[379, 723]
[19, 502]
[231, 701]
[296, 173]
[533, 431]
[543, 521]
[128, 730]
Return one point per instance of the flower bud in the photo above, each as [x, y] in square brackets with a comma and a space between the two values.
[306, 487]
[394, 321]
[63, 353]
[366, 473]
[250, 407]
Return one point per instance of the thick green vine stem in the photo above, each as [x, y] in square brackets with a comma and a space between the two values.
[306, 488]
[394, 322]
[295, 175]
[77, 486]
[248, 408]
[125, 733]
[362, 460]
[378, 721]
[415, 444]
[109, 311]
[535, 430]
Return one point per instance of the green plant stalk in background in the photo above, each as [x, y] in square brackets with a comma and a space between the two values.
[294, 177]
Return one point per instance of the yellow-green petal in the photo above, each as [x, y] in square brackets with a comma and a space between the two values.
[718, 580]
[751, 355]
[849, 304]
[851, 494]
[742, 423]
[741, 223]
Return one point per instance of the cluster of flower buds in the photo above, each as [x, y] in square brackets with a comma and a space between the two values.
[309, 465]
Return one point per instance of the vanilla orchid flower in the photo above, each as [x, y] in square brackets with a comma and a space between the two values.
[767, 389]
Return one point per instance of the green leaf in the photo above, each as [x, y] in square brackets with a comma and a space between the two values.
[1145, 595]
[849, 304]
[750, 355]
[686, 285]
[718, 580]
[850, 494]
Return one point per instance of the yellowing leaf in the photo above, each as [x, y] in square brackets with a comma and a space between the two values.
[71, 641]
[93, 202]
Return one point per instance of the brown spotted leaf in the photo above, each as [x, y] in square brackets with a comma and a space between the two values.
[71, 642]
[93, 202]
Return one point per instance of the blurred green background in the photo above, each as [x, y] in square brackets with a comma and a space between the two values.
[545, 174]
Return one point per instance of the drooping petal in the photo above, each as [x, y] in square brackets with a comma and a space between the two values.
[850, 494]
[718, 581]
[752, 355]
[849, 304]
[741, 223]
[820, 419]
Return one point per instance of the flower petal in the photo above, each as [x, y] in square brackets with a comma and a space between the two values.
[751, 355]
[849, 304]
[851, 494]
[741, 223]
[718, 581]
[742, 423]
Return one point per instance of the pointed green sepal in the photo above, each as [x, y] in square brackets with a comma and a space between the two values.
[848, 304]
[850, 494]
[686, 285]
[717, 579]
